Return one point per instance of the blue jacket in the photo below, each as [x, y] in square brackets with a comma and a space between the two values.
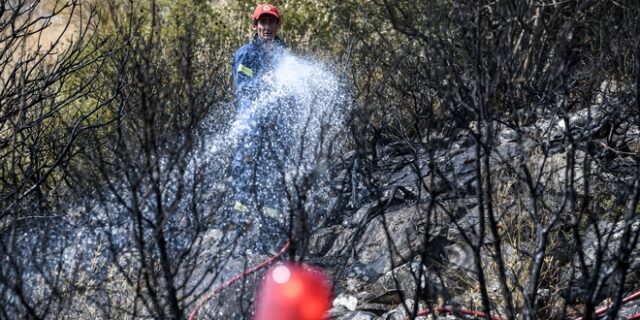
[251, 62]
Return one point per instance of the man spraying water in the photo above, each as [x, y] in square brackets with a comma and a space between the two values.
[290, 113]
[290, 110]
[257, 166]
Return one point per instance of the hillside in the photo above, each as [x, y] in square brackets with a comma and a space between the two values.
[476, 159]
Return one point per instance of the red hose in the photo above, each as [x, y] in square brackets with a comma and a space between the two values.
[627, 299]
[452, 310]
[236, 278]
[444, 309]
[480, 314]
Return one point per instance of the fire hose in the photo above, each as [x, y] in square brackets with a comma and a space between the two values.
[480, 314]
[229, 282]
[424, 312]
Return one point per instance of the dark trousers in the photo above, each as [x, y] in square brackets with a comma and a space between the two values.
[260, 160]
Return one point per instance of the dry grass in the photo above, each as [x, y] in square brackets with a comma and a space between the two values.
[49, 27]
[517, 235]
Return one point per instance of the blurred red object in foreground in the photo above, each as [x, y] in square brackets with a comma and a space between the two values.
[293, 291]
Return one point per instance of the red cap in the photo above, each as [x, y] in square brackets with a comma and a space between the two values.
[265, 8]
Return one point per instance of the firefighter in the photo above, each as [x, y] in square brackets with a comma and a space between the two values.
[252, 168]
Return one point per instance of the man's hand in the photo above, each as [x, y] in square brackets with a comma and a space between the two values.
[267, 79]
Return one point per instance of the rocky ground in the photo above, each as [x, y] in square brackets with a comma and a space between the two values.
[412, 227]
[407, 228]
[407, 232]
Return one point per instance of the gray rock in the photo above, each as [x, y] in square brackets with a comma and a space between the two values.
[349, 302]
[382, 240]
[403, 282]
[395, 231]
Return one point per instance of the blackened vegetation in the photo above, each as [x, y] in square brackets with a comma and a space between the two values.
[491, 162]
[102, 214]
[518, 121]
